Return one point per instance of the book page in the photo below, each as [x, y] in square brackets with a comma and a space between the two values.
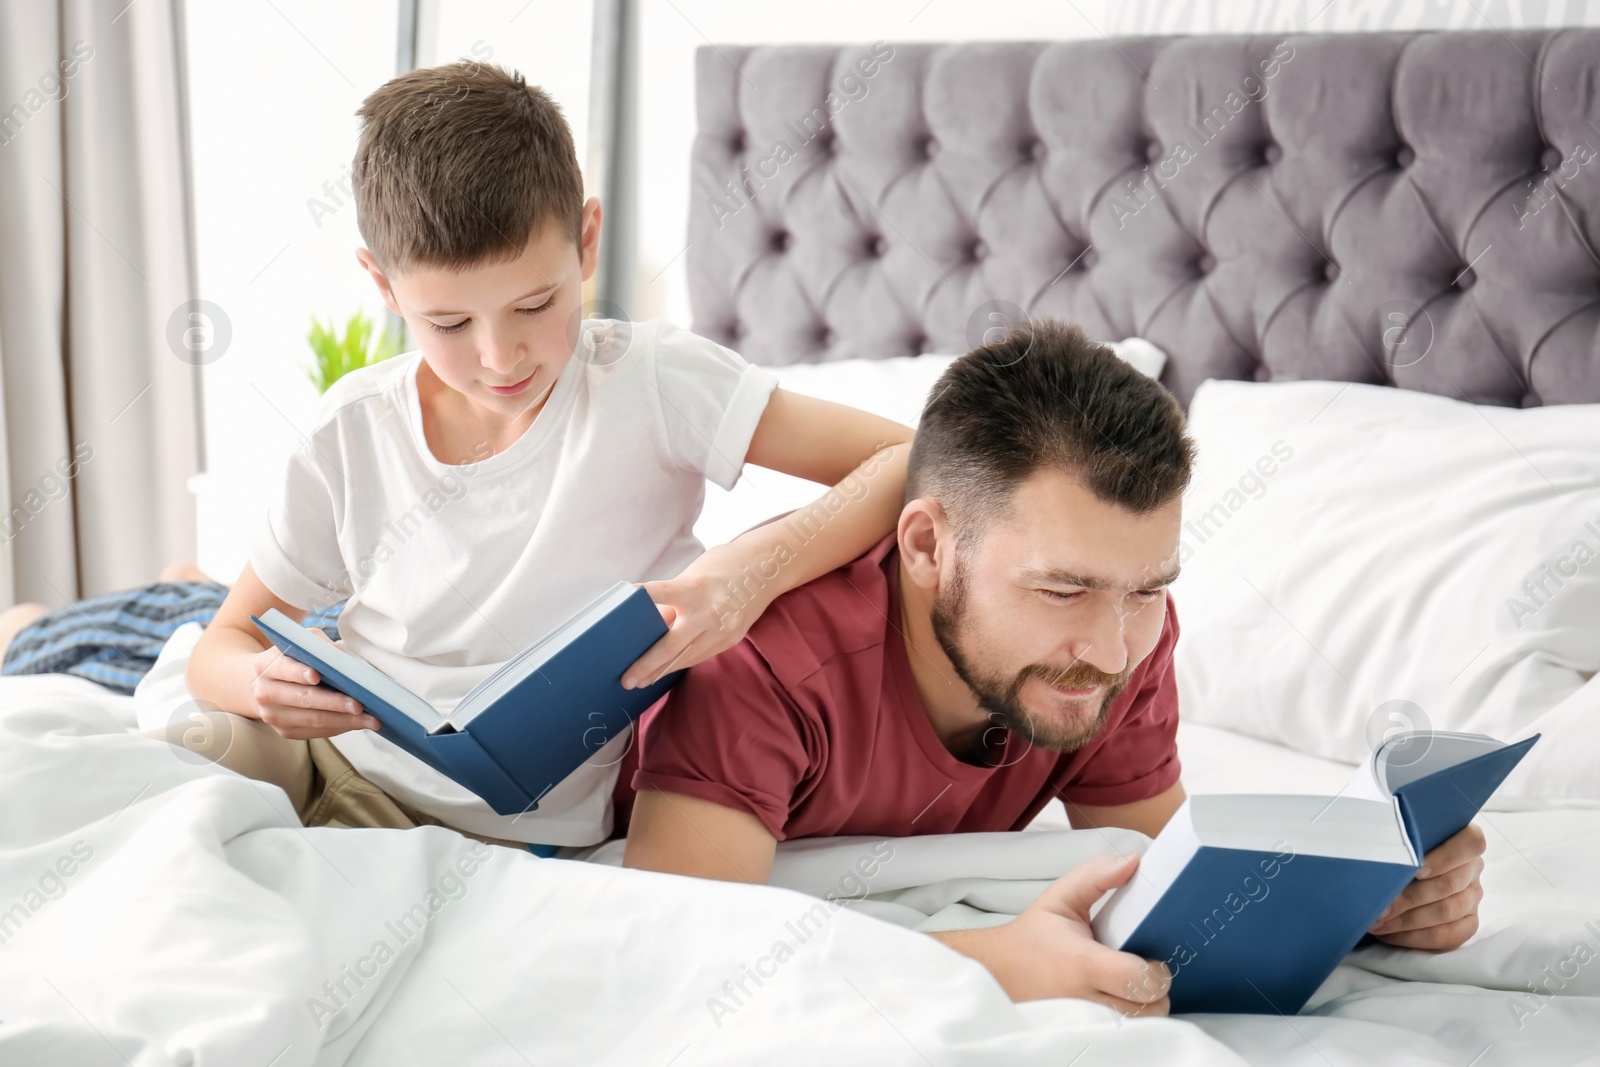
[1364, 784]
[1343, 827]
[509, 674]
[1429, 753]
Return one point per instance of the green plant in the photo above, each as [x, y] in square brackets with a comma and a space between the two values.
[337, 356]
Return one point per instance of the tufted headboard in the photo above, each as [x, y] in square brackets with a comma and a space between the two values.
[1419, 210]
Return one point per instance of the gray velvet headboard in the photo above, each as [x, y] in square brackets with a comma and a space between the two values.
[1418, 209]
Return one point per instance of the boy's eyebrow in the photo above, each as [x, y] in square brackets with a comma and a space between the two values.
[1058, 576]
[537, 292]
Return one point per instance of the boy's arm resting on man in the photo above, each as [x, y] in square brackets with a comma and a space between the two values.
[234, 667]
[861, 456]
[712, 603]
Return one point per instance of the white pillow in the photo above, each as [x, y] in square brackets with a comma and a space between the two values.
[1140, 354]
[895, 388]
[1354, 558]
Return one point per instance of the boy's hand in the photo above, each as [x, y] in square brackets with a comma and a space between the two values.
[289, 700]
[1439, 909]
[1050, 951]
[707, 608]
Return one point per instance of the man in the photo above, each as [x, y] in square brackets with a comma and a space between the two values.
[1010, 643]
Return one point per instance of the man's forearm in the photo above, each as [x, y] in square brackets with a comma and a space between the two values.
[987, 945]
[972, 943]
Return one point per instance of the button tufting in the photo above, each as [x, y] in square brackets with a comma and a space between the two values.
[735, 330]
[919, 345]
[781, 241]
[1206, 263]
[930, 146]
[1466, 279]
[1263, 373]
[1531, 399]
[1271, 153]
[1552, 158]
[1330, 271]
[1089, 258]
[1036, 150]
[978, 252]
[877, 247]
[736, 142]
[1152, 150]
[825, 336]
[1404, 157]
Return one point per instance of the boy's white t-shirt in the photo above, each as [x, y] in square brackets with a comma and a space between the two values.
[450, 570]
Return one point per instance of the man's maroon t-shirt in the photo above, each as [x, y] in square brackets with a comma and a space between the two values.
[813, 724]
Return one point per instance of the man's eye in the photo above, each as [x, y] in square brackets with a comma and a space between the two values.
[1051, 594]
[1147, 595]
[535, 311]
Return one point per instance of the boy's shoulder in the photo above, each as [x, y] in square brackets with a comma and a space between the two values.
[384, 381]
[610, 339]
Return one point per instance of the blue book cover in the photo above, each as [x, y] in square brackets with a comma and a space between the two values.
[1252, 901]
[528, 725]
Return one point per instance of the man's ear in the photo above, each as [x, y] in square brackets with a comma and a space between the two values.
[589, 237]
[924, 536]
[369, 263]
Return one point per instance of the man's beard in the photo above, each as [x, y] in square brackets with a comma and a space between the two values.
[1002, 697]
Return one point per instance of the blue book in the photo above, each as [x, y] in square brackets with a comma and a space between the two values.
[522, 730]
[1252, 901]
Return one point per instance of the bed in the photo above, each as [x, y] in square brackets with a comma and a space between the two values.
[156, 911]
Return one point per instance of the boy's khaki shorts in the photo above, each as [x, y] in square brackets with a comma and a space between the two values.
[336, 793]
[340, 796]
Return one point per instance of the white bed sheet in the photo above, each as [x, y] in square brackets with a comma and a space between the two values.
[195, 923]
[205, 921]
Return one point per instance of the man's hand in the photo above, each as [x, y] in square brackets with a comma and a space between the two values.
[1049, 950]
[1439, 909]
[289, 699]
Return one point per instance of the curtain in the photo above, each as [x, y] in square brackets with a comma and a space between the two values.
[100, 337]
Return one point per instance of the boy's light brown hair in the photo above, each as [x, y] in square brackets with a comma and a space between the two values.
[458, 165]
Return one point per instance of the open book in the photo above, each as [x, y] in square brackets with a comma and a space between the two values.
[1253, 900]
[528, 725]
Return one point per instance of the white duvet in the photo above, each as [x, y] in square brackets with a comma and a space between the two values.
[153, 911]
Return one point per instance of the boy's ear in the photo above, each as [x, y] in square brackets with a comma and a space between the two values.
[589, 237]
[369, 263]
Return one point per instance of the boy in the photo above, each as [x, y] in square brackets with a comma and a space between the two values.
[469, 497]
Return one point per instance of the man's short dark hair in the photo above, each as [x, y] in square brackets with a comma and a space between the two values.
[1045, 395]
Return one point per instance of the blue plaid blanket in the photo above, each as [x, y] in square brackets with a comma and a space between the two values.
[114, 639]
